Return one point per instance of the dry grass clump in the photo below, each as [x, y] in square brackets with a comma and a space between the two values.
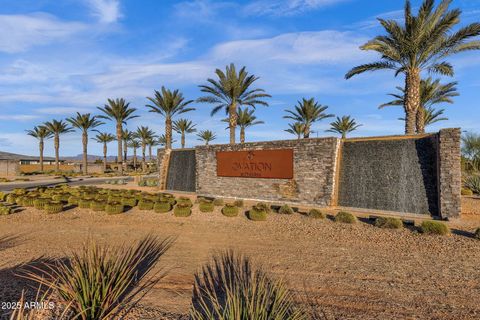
[238, 203]
[345, 217]
[5, 210]
[230, 210]
[316, 214]
[389, 223]
[258, 213]
[53, 207]
[114, 208]
[218, 202]
[182, 210]
[285, 209]
[145, 204]
[206, 206]
[434, 227]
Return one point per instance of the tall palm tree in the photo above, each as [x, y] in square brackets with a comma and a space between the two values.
[56, 128]
[207, 136]
[308, 112]
[126, 137]
[431, 93]
[134, 144]
[144, 134]
[152, 142]
[431, 116]
[184, 126]
[246, 119]
[105, 138]
[297, 129]
[41, 133]
[118, 110]
[168, 104]
[421, 43]
[231, 91]
[84, 122]
[343, 125]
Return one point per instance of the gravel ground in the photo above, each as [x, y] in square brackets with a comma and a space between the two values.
[352, 271]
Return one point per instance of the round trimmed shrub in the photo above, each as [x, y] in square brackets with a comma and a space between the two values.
[467, 192]
[257, 213]
[264, 206]
[218, 202]
[285, 209]
[230, 210]
[11, 198]
[316, 214]
[145, 204]
[129, 201]
[116, 198]
[162, 207]
[2, 196]
[40, 203]
[19, 191]
[206, 206]
[114, 208]
[477, 234]
[345, 217]
[185, 201]
[84, 203]
[434, 227]
[4, 210]
[97, 205]
[53, 206]
[182, 210]
[28, 201]
[73, 200]
[389, 223]
[238, 203]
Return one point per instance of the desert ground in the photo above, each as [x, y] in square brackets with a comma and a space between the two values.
[353, 271]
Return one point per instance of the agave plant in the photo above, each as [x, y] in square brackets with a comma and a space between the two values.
[343, 125]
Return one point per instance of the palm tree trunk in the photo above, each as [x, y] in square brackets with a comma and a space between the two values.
[412, 100]
[135, 158]
[232, 112]
[85, 153]
[104, 157]
[150, 152]
[242, 135]
[420, 122]
[56, 142]
[120, 153]
[183, 140]
[40, 146]
[206, 142]
[344, 135]
[125, 150]
[168, 132]
[306, 132]
[144, 164]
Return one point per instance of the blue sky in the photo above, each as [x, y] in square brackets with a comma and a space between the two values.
[59, 57]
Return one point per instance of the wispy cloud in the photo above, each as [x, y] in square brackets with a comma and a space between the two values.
[18, 117]
[285, 7]
[106, 11]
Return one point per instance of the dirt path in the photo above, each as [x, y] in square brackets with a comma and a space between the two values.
[354, 271]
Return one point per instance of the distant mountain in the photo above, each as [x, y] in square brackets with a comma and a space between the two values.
[90, 157]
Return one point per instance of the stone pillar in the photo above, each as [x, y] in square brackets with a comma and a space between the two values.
[163, 157]
[449, 173]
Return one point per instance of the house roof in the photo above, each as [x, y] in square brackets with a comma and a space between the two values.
[14, 156]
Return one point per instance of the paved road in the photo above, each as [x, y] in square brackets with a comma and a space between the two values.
[53, 182]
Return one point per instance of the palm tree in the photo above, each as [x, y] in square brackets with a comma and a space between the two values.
[308, 112]
[169, 104]
[421, 44]
[230, 91]
[144, 134]
[297, 129]
[431, 93]
[343, 125]
[245, 119]
[430, 116]
[152, 142]
[41, 133]
[206, 136]
[184, 126]
[134, 144]
[105, 138]
[84, 122]
[118, 110]
[126, 137]
[56, 128]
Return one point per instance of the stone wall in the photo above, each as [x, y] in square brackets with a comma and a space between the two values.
[9, 168]
[313, 181]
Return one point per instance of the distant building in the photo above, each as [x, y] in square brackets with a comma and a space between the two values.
[23, 159]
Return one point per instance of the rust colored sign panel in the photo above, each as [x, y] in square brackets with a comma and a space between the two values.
[270, 164]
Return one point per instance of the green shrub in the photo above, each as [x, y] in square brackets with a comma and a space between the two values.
[114, 208]
[473, 183]
[129, 201]
[434, 227]
[285, 209]
[162, 206]
[2, 196]
[11, 198]
[257, 213]
[182, 210]
[19, 191]
[264, 206]
[73, 200]
[53, 206]
[218, 202]
[345, 217]
[206, 206]
[238, 203]
[389, 223]
[115, 198]
[84, 203]
[467, 192]
[477, 234]
[97, 205]
[4, 210]
[316, 214]
[145, 204]
[230, 210]
[40, 203]
[28, 201]
[185, 201]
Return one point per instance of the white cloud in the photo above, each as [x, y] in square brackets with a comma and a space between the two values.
[106, 11]
[285, 7]
[18, 117]
[21, 32]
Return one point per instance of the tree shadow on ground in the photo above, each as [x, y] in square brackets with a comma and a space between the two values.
[463, 233]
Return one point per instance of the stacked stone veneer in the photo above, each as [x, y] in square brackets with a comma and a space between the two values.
[313, 181]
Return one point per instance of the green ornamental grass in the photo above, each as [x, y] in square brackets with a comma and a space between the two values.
[257, 213]
[285, 209]
[230, 210]
[316, 214]
[434, 227]
[345, 217]
[389, 223]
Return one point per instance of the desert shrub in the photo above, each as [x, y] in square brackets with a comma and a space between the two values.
[97, 205]
[28, 201]
[73, 200]
[264, 206]
[218, 202]
[257, 213]
[11, 198]
[53, 206]
[145, 204]
[467, 192]
[206, 206]
[434, 227]
[345, 217]
[231, 287]
[122, 270]
[2, 196]
[182, 210]
[238, 203]
[316, 214]
[184, 201]
[477, 234]
[114, 208]
[4, 210]
[162, 206]
[40, 203]
[114, 198]
[19, 191]
[473, 183]
[230, 210]
[285, 209]
[84, 203]
[129, 201]
[389, 223]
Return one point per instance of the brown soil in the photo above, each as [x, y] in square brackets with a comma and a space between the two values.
[353, 271]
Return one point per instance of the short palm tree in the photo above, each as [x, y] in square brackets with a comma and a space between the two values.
[246, 119]
[41, 133]
[421, 43]
[134, 144]
[144, 134]
[168, 104]
[231, 91]
[183, 126]
[57, 128]
[118, 110]
[126, 137]
[104, 138]
[343, 125]
[297, 129]
[84, 122]
[207, 136]
[307, 112]
[431, 93]
[152, 142]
